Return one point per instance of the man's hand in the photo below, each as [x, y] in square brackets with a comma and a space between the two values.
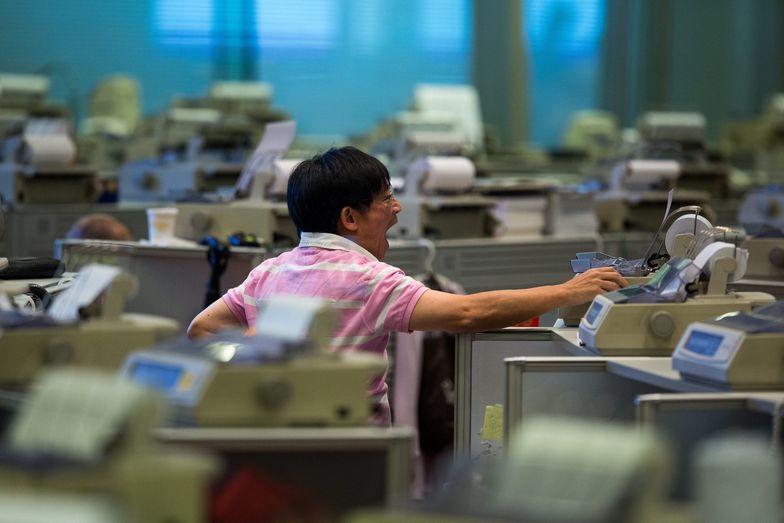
[584, 286]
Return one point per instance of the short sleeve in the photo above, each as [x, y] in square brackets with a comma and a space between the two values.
[392, 299]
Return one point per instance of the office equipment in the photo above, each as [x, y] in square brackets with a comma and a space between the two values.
[648, 319]
[85, 326]
[680, 136]
[437, 201]
[88, 435]
[38, 166]
[766, 255]
[740, 352]
[260, 206]
[762, 208]
[267, 217]
[638, 189]
[553, 466]
[686, 230]
[281, 375]
[766, 263]
[172, 278]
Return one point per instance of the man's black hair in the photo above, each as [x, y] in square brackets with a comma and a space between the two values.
[320, 187]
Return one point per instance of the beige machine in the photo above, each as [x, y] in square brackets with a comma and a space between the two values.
[200, 151]
[261, 187]
[648, 320]
[680, 136]
[283, 375]
[87, 435]
[639, 189]
[85, 327]
[438, 201]
[267, 217]
[766, 257]
[686, 230]
[38, 167]
[740, 352]
[762, 215]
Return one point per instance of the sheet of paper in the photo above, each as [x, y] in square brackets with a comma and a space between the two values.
[91, 281]
[274, 143]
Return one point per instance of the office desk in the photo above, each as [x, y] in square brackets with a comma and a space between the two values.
[341, 468]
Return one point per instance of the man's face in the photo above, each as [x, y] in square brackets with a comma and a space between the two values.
[374, 223]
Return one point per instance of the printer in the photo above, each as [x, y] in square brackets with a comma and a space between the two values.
[637, 191]
[38, 166]
[258, 205]
[743, 351]
[200, 151]
[438, 201]
[680, 136]
[267, 218]
[84, 326]
[762, 208]
[86, 437]
[282, 374]
[648, 319]
[686, 230]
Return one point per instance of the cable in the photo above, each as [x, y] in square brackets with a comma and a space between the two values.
[217, 257]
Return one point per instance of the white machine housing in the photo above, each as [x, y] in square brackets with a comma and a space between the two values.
[731, 357]
[653, 329]
[437, 202]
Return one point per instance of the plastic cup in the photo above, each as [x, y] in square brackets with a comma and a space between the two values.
[160, 223]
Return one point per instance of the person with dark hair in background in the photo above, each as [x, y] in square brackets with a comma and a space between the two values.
[99, 226]
[342, 204]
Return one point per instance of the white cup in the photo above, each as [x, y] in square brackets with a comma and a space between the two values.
[160, 223]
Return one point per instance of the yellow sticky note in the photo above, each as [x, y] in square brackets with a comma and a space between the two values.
[493, 426]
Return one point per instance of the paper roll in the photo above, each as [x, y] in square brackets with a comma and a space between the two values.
[707, 257]
[443, 173]
[685, 225]
[281, 171]
[47, 149]
[644, 173]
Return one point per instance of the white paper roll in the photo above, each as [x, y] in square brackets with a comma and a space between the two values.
[685, 225]
[707, 257]
[644, 173]
[47, 149]
[443, 173]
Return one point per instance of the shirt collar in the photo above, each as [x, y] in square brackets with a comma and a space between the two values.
[327, 240]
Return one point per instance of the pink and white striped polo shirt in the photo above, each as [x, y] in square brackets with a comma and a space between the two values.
[374, 298]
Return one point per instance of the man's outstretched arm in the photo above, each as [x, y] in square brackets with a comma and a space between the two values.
[498, 309]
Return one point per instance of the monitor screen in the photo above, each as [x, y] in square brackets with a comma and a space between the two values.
[703, 343]
[157, 375]
[593, 312]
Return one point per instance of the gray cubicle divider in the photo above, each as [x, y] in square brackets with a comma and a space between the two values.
[31, 229]
[172, 280]
[573, 386]
[633, 389]
[479, 376]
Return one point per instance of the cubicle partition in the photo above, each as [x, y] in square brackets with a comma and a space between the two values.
[645, 390]
[172, 280]
[480, 375]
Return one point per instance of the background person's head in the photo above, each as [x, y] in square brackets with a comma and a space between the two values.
[319, 188]
[99, 226]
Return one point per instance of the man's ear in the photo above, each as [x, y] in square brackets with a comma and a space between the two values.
[347, 220]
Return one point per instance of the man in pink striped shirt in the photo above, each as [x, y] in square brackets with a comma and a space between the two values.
[342, 203]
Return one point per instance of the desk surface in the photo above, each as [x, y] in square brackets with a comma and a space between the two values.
[277, 438]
